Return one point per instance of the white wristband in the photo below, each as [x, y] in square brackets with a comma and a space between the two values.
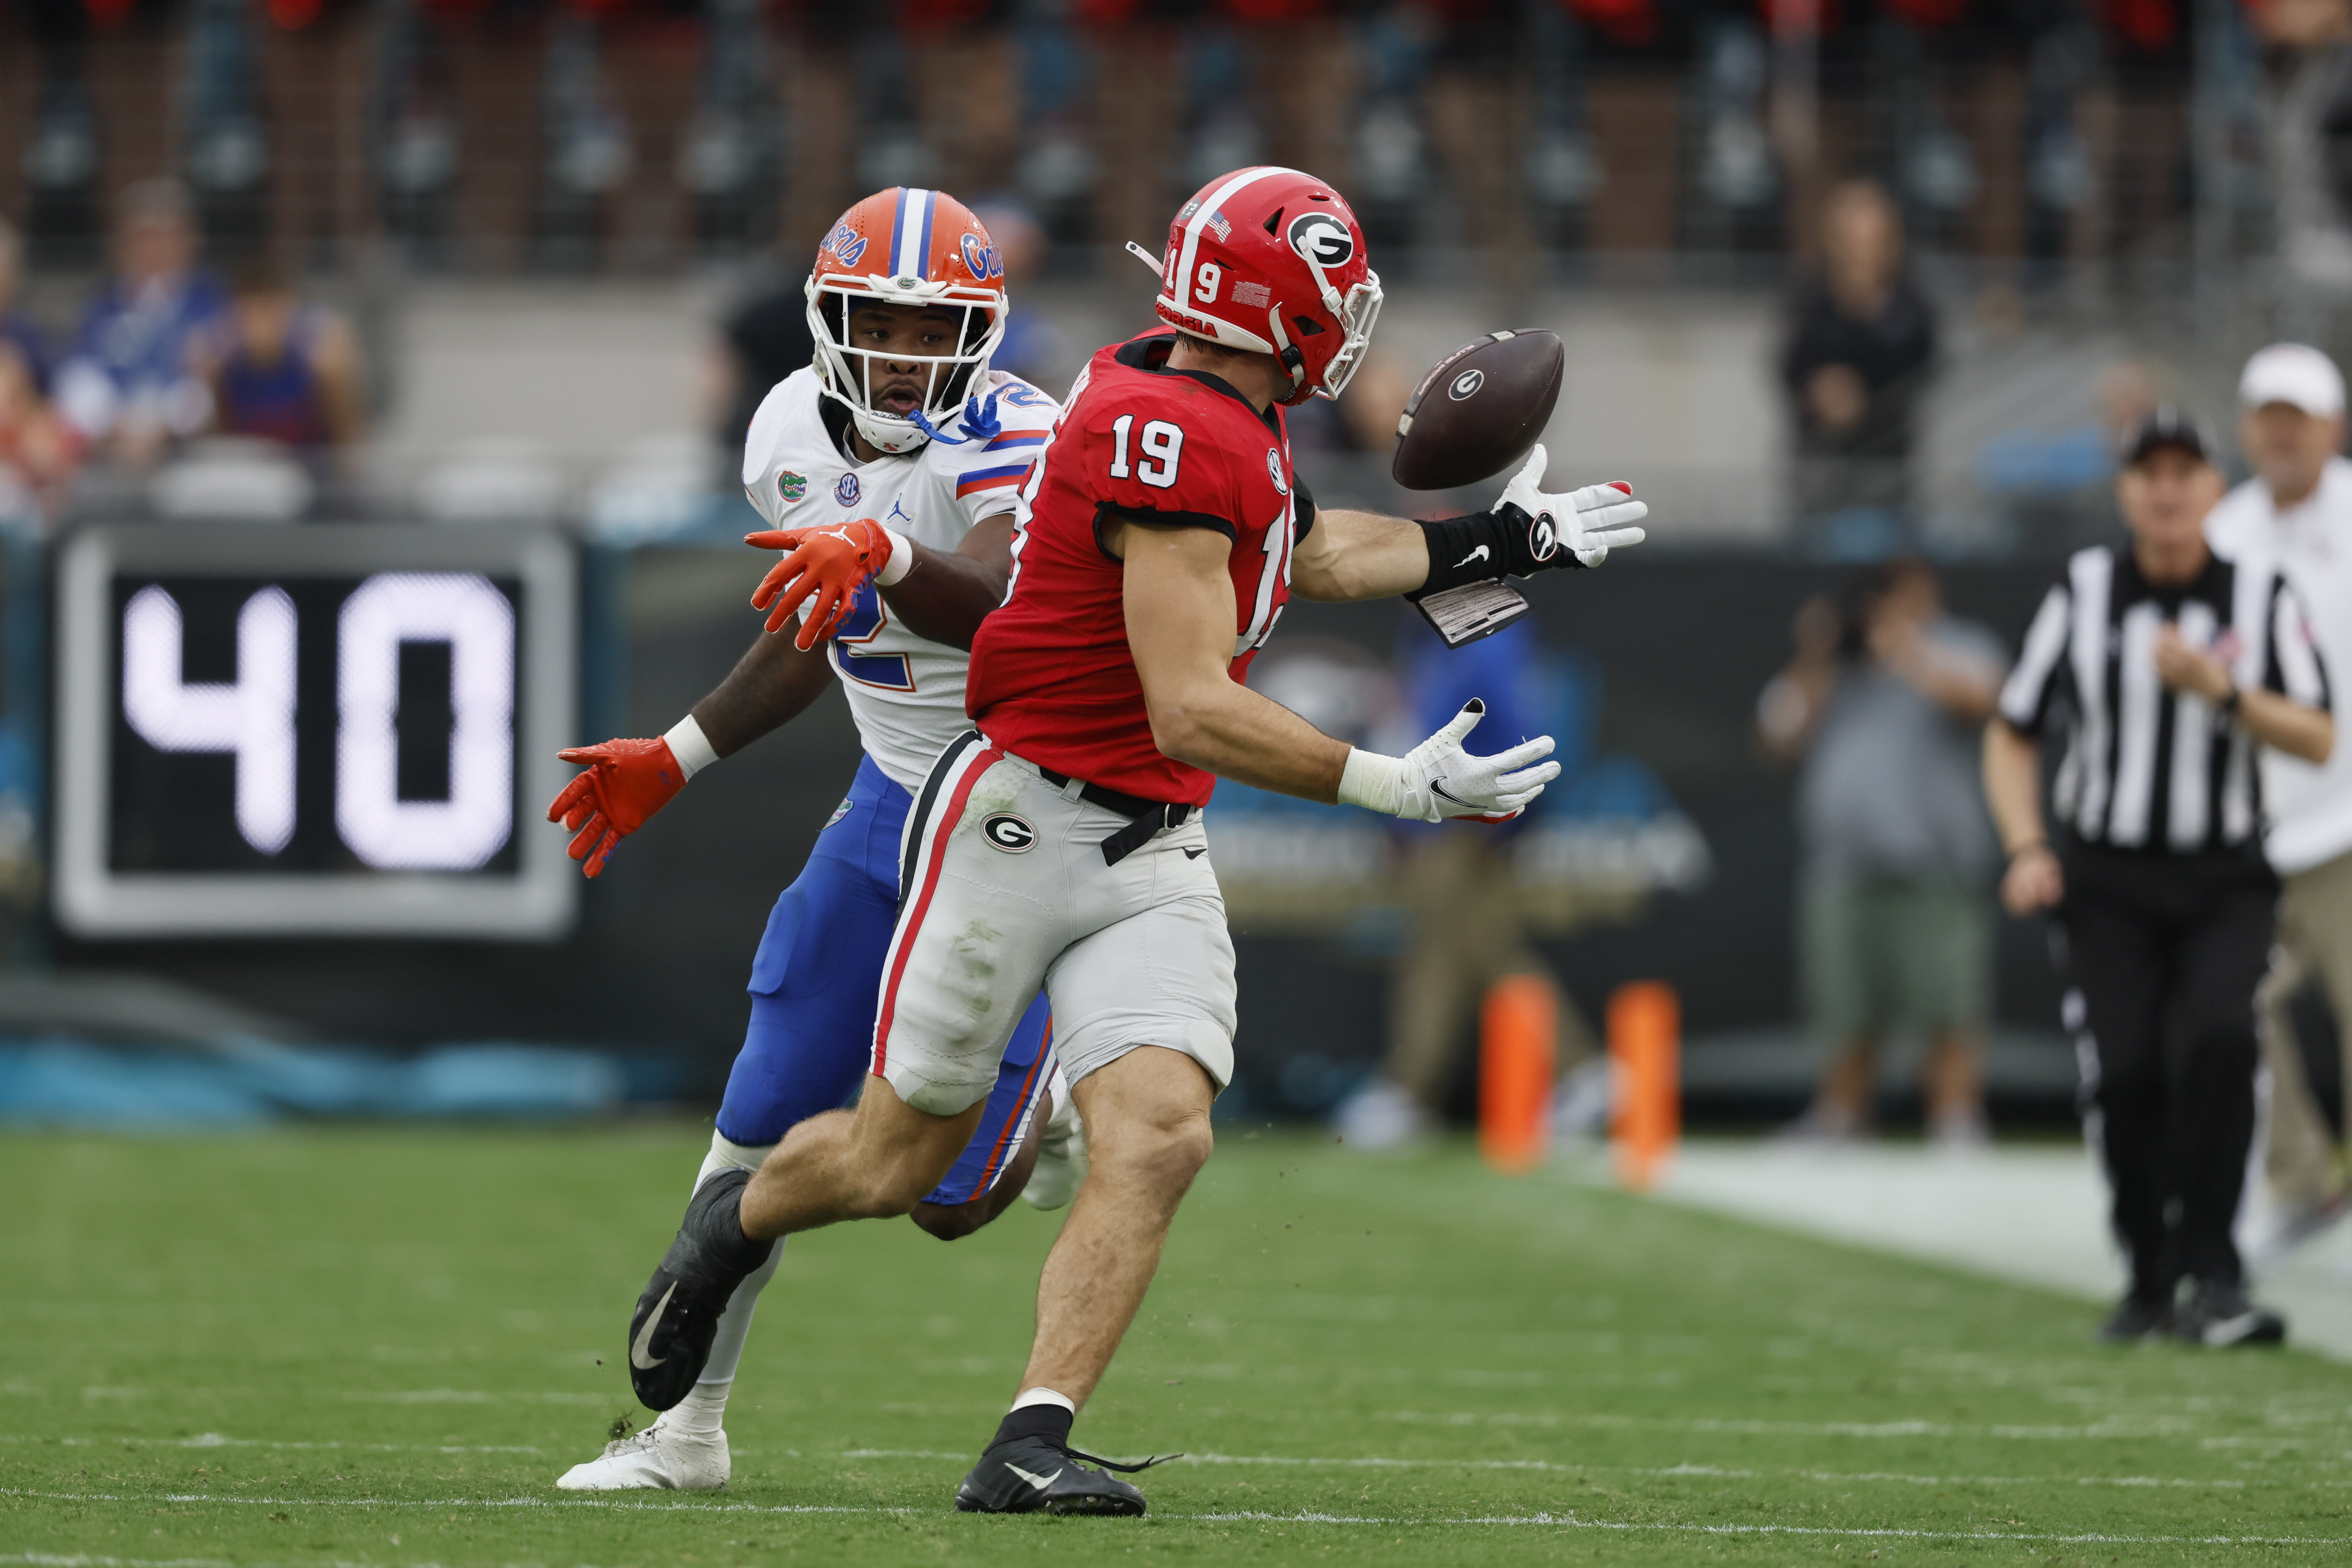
[1373, 782]
[690, 746]
[901, 562]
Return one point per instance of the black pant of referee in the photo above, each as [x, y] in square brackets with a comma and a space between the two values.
[2164, 951]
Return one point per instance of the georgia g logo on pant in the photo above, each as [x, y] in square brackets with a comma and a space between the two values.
[1009, 833]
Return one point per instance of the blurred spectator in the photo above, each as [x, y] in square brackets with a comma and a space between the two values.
[2298, 509]
[17, 332]
[38, 450]
[281, 369]
[1467, 929]
[1885, 703]
[129, 385]
[1860, 343]
[2308, 81]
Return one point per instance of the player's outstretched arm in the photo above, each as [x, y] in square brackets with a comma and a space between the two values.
[1179, 599]
[939, 594]
[1363, 556]
[944, 595]
[626, 782]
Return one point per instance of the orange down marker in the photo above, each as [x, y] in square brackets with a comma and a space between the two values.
[1518, 1027]
[1646, 1078]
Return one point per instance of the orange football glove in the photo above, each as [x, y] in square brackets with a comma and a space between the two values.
[826, 565]
[626, 782]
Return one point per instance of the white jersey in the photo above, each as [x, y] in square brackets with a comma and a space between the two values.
[905, 691]
[2309, 804]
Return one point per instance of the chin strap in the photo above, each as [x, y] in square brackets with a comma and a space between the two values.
[979, 422]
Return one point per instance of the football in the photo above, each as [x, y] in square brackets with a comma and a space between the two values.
[1478, 410]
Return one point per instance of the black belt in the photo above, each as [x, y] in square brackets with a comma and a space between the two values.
[1145, 817]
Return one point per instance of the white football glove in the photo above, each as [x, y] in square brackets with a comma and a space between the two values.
[1585, 523]
[1438, 779]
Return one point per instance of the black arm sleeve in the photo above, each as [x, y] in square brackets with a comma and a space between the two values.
[1486, 545]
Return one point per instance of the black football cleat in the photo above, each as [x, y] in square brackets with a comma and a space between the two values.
[1033, 1474]
[2219, 1314]
[2135, 1319]
[677, 1317]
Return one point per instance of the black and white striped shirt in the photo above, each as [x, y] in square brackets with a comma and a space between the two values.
[2145, 768]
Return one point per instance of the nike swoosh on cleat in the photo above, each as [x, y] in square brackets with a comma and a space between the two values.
[641, 1354]
[1040, 1482]
[1478, 554]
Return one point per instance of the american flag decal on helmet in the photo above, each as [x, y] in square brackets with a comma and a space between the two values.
[1219, 226]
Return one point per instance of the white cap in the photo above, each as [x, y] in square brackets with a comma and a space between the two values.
[2295, 373]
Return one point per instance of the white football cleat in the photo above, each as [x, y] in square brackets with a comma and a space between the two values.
[658, 1459]
[1061, 1151]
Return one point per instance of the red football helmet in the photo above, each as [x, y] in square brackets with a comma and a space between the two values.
[1272, 261]
[905, 246]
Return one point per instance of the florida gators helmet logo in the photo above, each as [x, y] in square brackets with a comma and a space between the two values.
[924, 253]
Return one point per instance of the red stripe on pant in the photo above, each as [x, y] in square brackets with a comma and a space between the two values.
[986, 759]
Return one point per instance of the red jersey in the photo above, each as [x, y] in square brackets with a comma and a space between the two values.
[1051, 678]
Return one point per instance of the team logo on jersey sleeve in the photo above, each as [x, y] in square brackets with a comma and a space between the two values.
[846, 492]
[791, 486]
[1009, 833]
[1274, 470]
[839, 811]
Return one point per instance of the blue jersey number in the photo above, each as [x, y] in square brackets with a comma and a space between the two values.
[863, 623]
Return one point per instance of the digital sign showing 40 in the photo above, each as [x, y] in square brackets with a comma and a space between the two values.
[457, 822]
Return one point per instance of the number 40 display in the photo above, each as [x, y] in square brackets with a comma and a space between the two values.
[252, 717]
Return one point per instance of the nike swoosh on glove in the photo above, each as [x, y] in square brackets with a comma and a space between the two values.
[1584, 524]
[1437, 779]
[626, 782]
[824, 565]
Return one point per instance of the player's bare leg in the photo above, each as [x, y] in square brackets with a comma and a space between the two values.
[1147, 1117]
[876, 1160]
[873, 1162]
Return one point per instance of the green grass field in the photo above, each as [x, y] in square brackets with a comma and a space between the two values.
[382, 1347]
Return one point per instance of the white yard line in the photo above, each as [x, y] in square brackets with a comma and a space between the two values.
[216, 1440]
[1564, 1466]
[1554, 1520]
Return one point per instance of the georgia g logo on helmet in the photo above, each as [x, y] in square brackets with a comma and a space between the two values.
[1322, 238]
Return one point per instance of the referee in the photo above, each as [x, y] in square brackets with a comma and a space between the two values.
[2171, 666]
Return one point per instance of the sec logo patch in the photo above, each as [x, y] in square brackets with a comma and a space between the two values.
[1009, 833]
[846, 492]
[1274, 471]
